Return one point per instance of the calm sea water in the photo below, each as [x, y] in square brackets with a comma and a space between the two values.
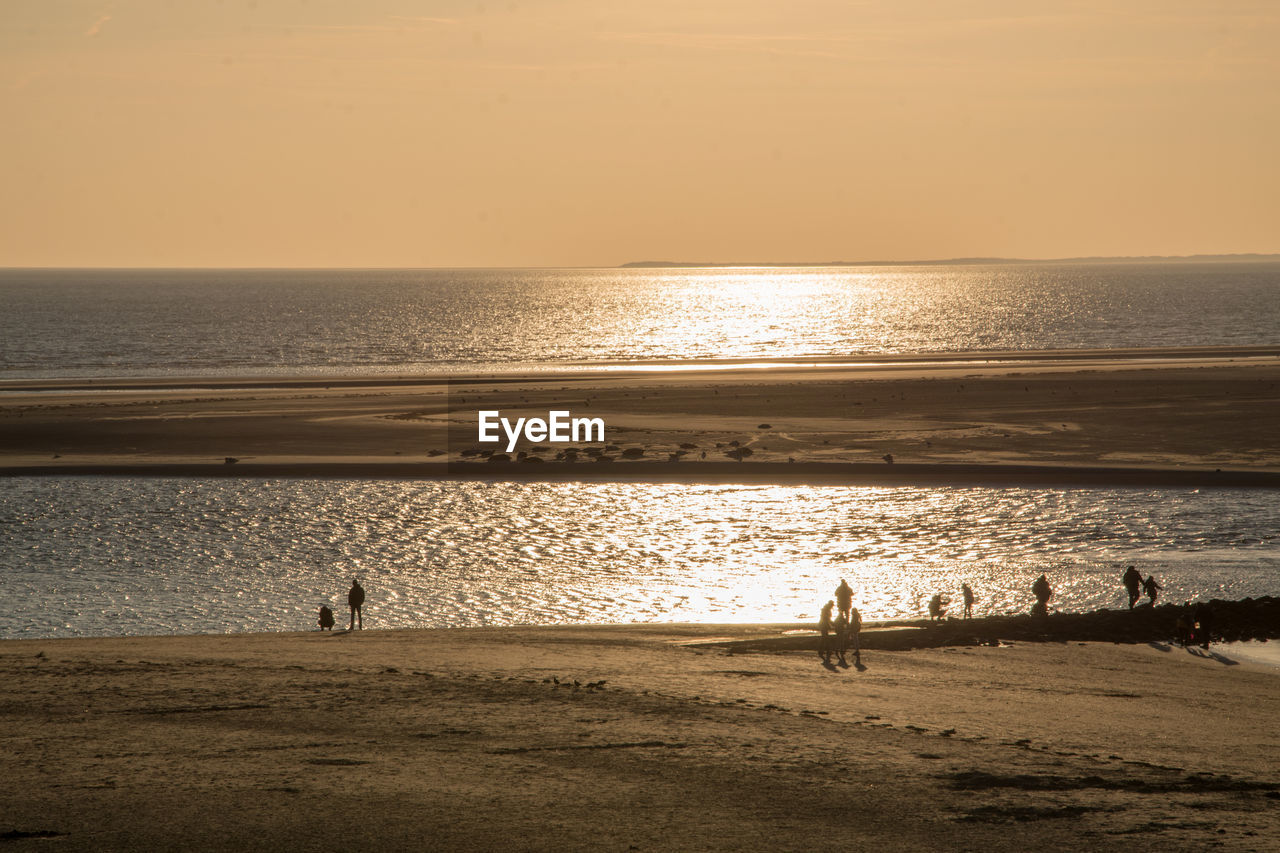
[59, 323]
[104, 556]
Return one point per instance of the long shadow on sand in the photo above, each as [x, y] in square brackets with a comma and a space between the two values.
[1208, 655]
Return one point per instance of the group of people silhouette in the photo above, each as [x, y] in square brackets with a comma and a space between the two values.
[842, 632]
[1192, 627]
[355, 600]
[1135, 586]
[1132, 580]
[1040, 588]
[939, 603]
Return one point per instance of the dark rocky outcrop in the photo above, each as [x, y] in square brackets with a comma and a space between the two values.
[1229, 621]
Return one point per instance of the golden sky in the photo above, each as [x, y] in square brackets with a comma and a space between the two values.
[595, 132]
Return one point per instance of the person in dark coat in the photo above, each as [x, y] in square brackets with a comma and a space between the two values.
[355, 598]
[1043, 592]
[326, 618]
[1132, 579]
[844, 598]
[1151, 588]
[1201, 615]
[855, 633]
[825, 627]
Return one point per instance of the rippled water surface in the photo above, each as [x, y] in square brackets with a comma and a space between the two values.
[88, 323]
[104, 556]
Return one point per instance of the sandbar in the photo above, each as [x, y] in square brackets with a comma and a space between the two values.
[1207, 414]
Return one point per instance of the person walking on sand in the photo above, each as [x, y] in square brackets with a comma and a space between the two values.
[824, 629]
[844, 598]
[1132, 579]
[842, 638]
[1151, 588]
[855, 631]
[967, 593]
[355, 598]
[1043, 592]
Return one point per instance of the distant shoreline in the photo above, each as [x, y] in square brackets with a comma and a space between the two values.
[588, 371]
[768, 473]
[1241, 257]
[1249, 257]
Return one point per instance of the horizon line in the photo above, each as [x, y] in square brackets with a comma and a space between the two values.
[658, 264]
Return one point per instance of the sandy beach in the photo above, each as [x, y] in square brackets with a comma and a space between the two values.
[1118, 413]
[631, 738]
[654, 737]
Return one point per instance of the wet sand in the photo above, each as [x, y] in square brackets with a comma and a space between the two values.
[631, 738]
[1113, 416]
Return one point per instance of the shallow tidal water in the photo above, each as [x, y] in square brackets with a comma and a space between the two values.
[98, 556]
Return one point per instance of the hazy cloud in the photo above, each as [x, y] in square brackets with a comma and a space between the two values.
[97, 25]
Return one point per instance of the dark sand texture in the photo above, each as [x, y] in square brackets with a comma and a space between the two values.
[622, 738]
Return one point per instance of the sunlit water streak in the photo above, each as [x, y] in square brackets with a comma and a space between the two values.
[88, 556]
[93, 323]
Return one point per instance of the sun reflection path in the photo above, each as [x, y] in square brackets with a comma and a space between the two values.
[92, 555]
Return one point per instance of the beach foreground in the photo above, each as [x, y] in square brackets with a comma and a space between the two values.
[641, 737]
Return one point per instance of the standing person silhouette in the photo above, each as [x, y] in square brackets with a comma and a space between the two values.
[855, 631]
[824, 628]
[842, 637]
[967, 594]
[844, 598]
[1201, 614]
[1043, 592]
[1151, 588]
[355, 598]
[1132, 579]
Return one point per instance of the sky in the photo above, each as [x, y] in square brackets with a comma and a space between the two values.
[389, 133]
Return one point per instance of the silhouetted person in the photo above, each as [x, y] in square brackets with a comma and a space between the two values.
[844, 598]
[968, 599]
[1043, 592]
[824, 628]
[1201, 616]
[1132, 579]
[355, 598]
[842, 637]
[1151, 588]
[855, 632]
[326, 618]
[936, 610]
[1182, 628]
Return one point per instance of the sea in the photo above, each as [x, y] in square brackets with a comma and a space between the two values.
[106, 556]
